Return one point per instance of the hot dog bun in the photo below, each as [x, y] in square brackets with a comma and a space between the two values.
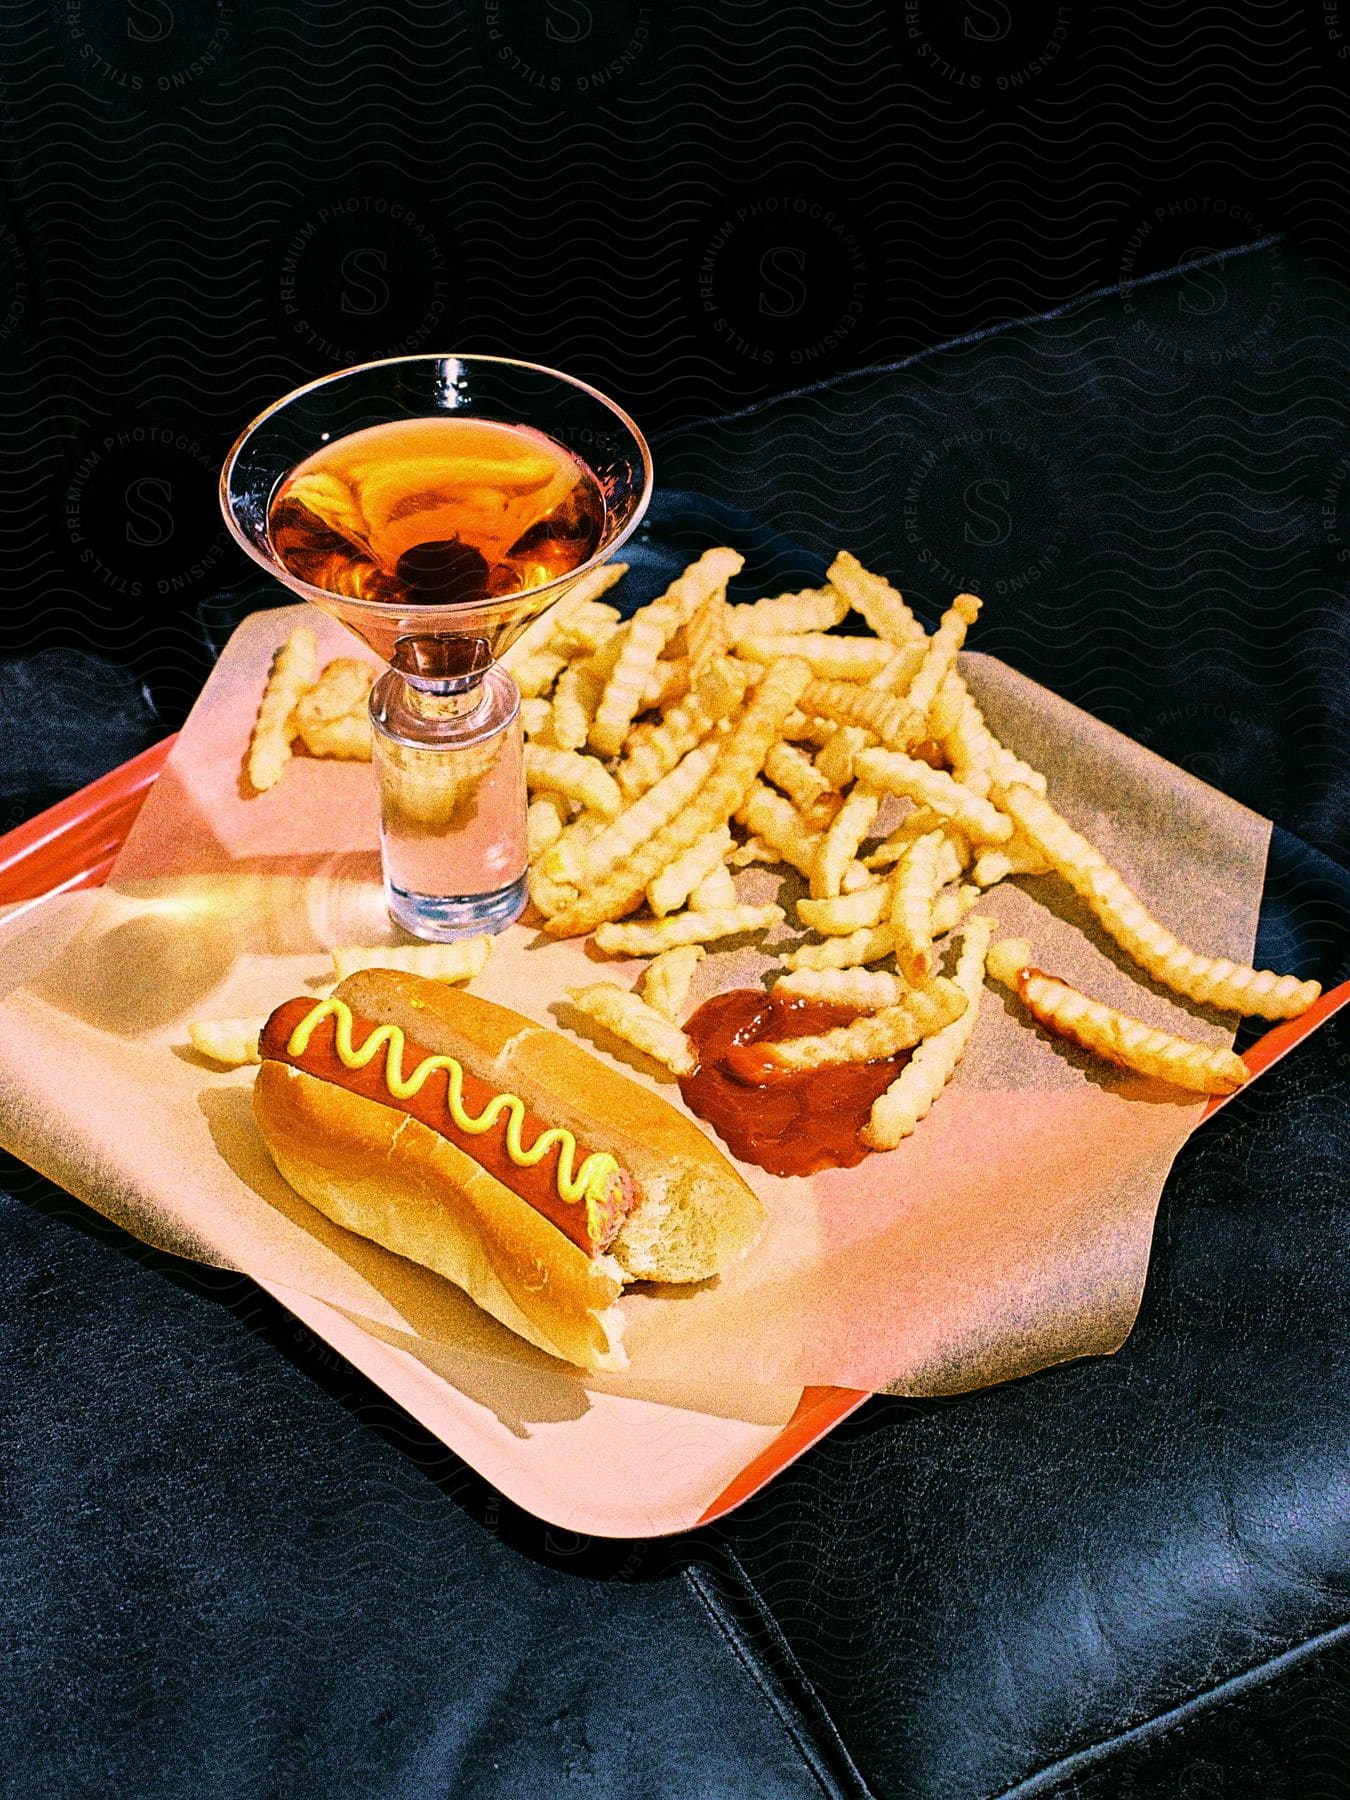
[391, 1178]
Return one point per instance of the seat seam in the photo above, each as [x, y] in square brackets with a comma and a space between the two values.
[794, 1727]
[1269, 242]
[1221, 1693]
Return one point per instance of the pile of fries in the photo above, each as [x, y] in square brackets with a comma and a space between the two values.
[699, 737]
[666, 751]
[325, 711]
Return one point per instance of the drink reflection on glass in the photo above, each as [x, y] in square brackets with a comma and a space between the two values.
[437, 505]
[438, 511]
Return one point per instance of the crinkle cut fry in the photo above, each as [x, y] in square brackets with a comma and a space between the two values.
[872, 709]
[1208, 980]
[673, 886]
[654, 750]
[629, 1017]
[774, 819]
[976, 755]
[295, 669]
[665, 986]
[940, 655]
[650, 631]
[878, 602]
[865, 990]
[649, 937]
[1127, 1042]
[793, 771]
[741, 758]
[897, 773]
[849, 826]
[917, 1088]
[809, 609]
[867, 1039]
[580, 858]
[913, 893]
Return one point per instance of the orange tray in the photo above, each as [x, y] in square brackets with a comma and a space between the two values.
[74, 844]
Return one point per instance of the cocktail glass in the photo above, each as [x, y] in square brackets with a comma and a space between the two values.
[448, 747]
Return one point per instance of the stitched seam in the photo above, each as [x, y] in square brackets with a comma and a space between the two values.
[779, 1704]
[1207, 1700]
[970, 337]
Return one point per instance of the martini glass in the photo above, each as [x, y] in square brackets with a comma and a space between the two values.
[448, 743]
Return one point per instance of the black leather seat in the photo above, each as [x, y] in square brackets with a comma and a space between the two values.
[229, 1566]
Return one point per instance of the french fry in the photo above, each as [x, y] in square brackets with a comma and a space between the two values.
[332, 718]
[1211, 981]
[870, 904]
[753, 850]
[544, 823]
[667, 683]
[840, 752]
[583, 857]
[651, 937]
[839, 846]
[867, 1039]
[648, 636]
[665, 986]
[1117, 1038]
[801, 728]
[975, 753]
[576, 777]
[944, 715]
[912, 1095]
[777, 823]
[535, 675]
[294, 670]
[654, 750]
[847, 703]
[913, 825]
[870, 943]
[811, 609]
[866, 990]
[740, 759]
[549, 896]
[536, 719]
[457, 961]
[1016, 857]
[902, 665]
[940, 654]
[913, 893]
[714, 892]
[952, 906]
[708, 633]
[629, 1017]
[840, 915]
[230, 1042]
[578, 692]
[583, 628]
[673, 886]
[1007, 958]
[897, 773]
[344, 739]
[809, 790]
[877, 601]
[830, 658]
[537, 637]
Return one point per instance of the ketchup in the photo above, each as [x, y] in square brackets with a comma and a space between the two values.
[790, 1124]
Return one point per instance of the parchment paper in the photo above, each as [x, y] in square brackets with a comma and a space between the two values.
[1012, 1231]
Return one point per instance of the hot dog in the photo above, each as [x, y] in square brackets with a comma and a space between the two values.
[463, 1136]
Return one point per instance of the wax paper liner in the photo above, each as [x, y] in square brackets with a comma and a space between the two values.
[1010, 1232]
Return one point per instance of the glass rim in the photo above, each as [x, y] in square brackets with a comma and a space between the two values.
[321, 596]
